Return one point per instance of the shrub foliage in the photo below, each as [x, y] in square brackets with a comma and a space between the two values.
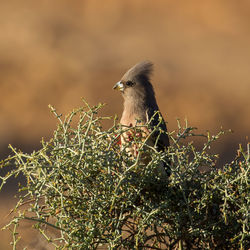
[93, 194]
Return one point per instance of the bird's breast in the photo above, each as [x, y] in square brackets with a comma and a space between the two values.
[132, 118]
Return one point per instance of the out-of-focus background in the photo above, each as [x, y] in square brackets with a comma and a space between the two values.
[55, 52]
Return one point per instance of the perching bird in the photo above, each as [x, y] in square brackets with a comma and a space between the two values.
[140, 107]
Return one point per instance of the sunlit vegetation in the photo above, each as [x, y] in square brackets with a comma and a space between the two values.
[83, 191]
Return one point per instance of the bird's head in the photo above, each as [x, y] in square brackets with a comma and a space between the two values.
[136, 81]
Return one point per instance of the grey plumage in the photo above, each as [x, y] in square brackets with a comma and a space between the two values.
[140, 103]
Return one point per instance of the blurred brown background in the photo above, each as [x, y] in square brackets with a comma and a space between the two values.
[55, 52]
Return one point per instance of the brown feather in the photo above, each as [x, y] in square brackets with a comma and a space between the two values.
[140, 103]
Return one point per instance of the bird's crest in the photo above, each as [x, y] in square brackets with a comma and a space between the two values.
[140, 70]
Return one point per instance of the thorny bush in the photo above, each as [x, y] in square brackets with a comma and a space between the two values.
[93, 194]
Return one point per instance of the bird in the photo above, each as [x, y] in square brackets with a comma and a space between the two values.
[140, 108]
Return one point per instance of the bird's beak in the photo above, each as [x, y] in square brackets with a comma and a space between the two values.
[119, 86]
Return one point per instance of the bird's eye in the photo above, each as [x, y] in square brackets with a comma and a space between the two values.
[129, 83]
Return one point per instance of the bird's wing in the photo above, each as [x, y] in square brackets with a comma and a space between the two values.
[155, 120]
[159, 138]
